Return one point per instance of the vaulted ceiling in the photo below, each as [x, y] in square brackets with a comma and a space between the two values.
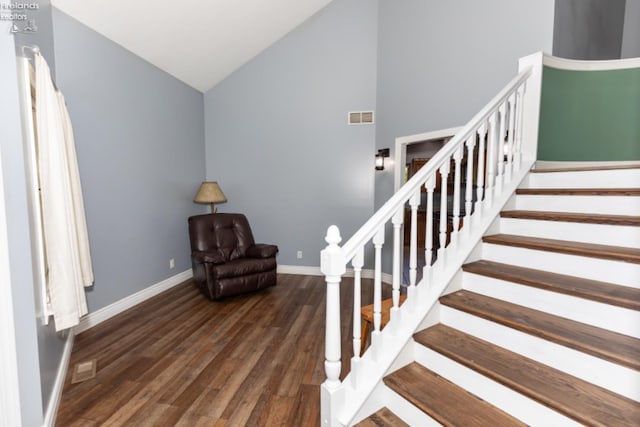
[200, 42]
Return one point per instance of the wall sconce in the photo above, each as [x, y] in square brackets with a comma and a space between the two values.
[210, 192]
[382, 153]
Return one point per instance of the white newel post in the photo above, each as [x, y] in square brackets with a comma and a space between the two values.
[531, 106]
[333, 266]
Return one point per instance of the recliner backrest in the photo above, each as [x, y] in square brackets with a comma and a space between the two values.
[228, 233]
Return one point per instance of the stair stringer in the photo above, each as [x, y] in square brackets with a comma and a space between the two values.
[379, 360]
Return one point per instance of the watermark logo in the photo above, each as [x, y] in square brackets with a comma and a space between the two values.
[18, 15]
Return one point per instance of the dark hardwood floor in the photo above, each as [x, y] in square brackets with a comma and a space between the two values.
[180, 359]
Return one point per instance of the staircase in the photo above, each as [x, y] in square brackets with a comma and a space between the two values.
[541, 326]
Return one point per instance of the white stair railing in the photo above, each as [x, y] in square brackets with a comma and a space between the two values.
[486, 160]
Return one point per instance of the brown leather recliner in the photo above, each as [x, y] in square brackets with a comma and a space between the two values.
[225, 259]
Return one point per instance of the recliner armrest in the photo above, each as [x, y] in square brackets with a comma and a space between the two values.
[262, 250]
[214, 257]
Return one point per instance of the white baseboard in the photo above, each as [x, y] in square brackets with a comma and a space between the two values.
[99, 316]
[58, 386]
[315, 271]
[299, 269]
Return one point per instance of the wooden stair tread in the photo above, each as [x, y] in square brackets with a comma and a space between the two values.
[444, 401]
[586, 168]
[383, 418]
[577, 399]
[607, 345]
[579, 191]
[573, 217]
[621, 296]
[617, 253]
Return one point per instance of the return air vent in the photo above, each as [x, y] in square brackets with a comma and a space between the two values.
[360, 117]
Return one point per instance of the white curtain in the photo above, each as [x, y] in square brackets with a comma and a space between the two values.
[66, 242]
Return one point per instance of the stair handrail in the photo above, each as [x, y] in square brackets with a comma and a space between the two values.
[368, 229]
[508, 119]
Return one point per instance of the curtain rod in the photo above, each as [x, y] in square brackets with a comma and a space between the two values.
[33, 48]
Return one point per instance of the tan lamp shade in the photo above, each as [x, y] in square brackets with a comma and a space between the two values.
[210, 192]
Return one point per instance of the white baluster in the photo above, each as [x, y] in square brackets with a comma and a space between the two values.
[457, 157]
[428, 239]
[333, 266]
[468, 205]
[491, 160]
[414, 202]
[444, 175]
[378, 241]
[482, 136]
[502, 115]
[512, 116]
[357, 263]
[397, 220]
[519, 117]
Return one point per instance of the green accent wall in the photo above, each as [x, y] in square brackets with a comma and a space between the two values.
[590, 115]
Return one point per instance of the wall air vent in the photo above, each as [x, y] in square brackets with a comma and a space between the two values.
[360, 117]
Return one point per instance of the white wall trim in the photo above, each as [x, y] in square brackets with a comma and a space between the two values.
[58, 386]
[550, 164]
[315, 271]
[401, 149]
[9, 385]
[105, 313]
[576, 65]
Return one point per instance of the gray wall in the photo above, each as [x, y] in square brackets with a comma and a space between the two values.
[588, 29]
[440, 61]
[631, 34]
[140, 142]
[18, 236]
[277, 140]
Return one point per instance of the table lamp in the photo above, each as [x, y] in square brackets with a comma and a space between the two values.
[210, 192]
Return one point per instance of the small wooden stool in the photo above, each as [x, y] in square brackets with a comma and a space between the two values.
[366, 313]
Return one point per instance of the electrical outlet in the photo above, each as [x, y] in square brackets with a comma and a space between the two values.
[172, 263]
[299, 254]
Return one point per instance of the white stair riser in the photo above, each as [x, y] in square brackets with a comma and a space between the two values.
[616, 272]
[519, 406]
[620, 178]
[604, 205]
[592, 369]
[605, 316]
[602, 234]
[409, 413]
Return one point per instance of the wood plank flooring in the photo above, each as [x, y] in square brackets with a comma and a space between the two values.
[180, 359]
